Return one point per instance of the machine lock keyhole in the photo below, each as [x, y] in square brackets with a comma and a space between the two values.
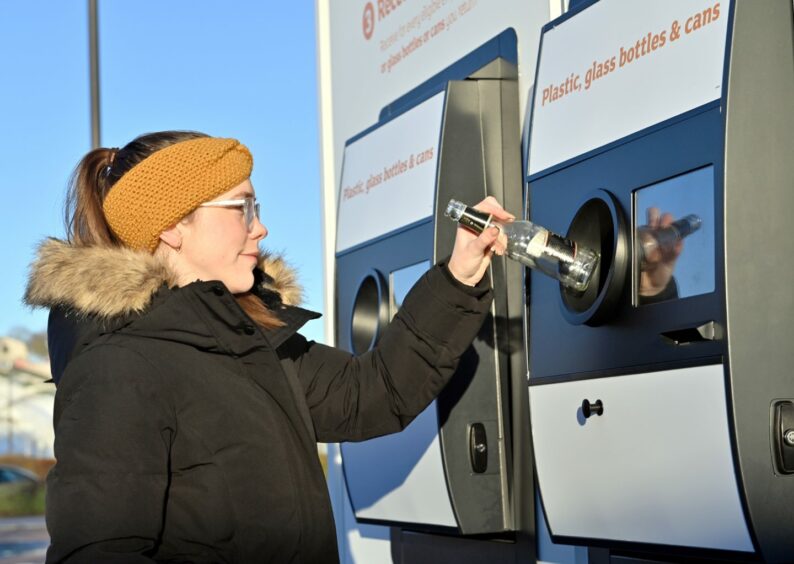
[478, 448]
[783, 432]
[595, 408]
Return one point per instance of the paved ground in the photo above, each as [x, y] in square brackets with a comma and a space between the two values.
[23, 540]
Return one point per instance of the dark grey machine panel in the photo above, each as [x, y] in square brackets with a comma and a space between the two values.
[481, 421]
[480, 156]
[759, 302]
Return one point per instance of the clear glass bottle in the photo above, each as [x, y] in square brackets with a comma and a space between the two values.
[663, 239]
[534, 246]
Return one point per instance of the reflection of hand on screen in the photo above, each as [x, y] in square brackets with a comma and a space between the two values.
[658, 261]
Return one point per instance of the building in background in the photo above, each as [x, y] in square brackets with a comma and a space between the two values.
[26, 402]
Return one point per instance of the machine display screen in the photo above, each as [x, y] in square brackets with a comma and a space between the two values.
[674, 238]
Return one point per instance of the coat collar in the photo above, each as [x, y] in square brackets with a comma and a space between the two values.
[91, 291]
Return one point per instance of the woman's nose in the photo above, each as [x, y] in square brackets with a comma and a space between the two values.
[258, 230]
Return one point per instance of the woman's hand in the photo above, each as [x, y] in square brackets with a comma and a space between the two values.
[471, 255]
[657, 267]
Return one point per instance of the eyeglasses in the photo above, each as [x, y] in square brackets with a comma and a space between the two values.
[248, 204]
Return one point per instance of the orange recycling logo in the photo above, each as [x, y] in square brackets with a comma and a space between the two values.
[368, 20]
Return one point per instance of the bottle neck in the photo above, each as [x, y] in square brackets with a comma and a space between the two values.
[686, 225]
[475, 220]
[670, 235]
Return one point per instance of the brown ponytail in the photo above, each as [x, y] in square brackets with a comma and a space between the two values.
[93, 178]
[85, 221]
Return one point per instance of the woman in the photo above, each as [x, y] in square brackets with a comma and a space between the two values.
[188, 406]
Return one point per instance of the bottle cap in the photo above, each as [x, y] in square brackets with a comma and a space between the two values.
[455, 209]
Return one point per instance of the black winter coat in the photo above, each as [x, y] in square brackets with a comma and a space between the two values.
[184, 433]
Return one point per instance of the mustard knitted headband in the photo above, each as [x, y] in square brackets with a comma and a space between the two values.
[169, 184]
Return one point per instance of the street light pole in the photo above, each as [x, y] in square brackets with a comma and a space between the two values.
[10, 415]
[93, 49]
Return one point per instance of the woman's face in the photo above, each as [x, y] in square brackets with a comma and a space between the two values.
[218, 245]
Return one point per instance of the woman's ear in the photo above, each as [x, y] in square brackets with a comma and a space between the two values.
[172, 237]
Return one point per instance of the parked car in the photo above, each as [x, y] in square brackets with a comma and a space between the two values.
[16, 475]
[21, 492]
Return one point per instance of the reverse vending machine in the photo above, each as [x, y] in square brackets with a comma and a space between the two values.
[662, 397]
[452, 469]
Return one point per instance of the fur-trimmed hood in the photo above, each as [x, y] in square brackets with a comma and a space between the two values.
[109, 282]
[91, 291]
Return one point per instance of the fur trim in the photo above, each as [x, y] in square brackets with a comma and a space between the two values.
[102, 281]
[281, 278]
[115, 281]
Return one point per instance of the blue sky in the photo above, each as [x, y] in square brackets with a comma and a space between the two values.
[244, 69]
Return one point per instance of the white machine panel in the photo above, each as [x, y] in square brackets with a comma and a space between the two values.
[392, 170]
[655, 467]
[400, 477]
[621, 66]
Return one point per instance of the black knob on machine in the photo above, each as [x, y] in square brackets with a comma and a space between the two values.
[595, 408]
